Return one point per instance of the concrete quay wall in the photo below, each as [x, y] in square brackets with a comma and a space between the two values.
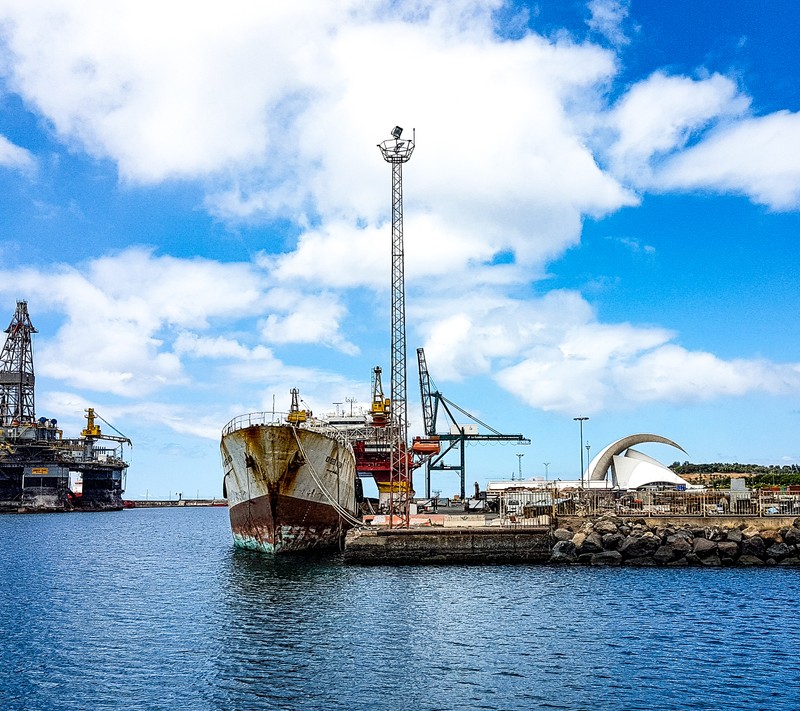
[447, 545]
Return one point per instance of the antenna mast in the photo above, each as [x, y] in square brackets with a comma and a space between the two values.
[398, 151]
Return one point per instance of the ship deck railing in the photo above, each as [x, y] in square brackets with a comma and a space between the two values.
[275, 419]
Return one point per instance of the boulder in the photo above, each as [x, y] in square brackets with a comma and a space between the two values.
[770, 536]
[735, 535]
[593, 543]
[753, 546]
[607, 558]
[727, 549]
[692, 559]
[792, 536]
[639, 546]
[563, 552]
[791, 560]
[578, 539]
[612, 541]
[750, 532]
[750, 560]
[585, 558]
[664, 555]
[704, 547]
[562, 534]
[711, 561]
[605, 526]
[716, 534]
[778, 551]
[679, 542]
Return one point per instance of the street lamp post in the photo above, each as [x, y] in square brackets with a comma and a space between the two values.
[580, 421]
[588, 464]
[519, 457]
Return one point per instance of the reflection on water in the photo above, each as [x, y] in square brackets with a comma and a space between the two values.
[156, 609]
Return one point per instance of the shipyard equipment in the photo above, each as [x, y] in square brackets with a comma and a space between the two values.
[36, 460]
[458, 435]
[16, 371]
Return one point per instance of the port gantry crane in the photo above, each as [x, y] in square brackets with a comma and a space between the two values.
[459, 434]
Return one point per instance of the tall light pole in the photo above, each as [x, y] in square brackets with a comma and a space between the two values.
[546, 464]
[519, 457]
[580, 421]
[397, 151]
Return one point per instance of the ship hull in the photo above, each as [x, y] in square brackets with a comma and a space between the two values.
[289, 489]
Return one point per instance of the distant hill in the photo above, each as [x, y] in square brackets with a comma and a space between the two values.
[756, 475]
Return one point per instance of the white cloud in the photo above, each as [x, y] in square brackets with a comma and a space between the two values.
[660, 114]
[607, 17]
[555, 355]
[757, 157]
[12, 156]
[299, 317]
[280, 107]
[120, 312]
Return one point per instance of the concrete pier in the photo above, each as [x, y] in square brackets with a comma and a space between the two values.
[475, 545]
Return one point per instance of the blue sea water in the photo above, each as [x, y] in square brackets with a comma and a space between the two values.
[154, 609]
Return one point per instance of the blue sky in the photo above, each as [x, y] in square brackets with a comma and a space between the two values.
[600, 218]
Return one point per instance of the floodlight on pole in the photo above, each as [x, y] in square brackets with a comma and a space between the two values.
[397, 151]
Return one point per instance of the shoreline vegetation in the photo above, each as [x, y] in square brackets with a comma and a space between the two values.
[757, 476]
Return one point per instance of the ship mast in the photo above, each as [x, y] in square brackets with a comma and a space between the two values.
[397, 151]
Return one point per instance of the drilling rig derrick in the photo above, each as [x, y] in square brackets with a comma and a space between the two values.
[17, 379]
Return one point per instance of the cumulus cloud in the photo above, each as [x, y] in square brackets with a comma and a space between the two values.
[756, 157]
[279, 108]
[299, 317]
[12, 156]
[555, 355]
[661, 114]
[131, 319]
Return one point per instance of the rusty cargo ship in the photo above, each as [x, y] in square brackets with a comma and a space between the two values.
[290, 483]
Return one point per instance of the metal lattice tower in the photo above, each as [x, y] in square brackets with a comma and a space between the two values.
[16, 370]
[398, 151]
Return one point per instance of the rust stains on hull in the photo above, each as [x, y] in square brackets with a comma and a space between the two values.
[289, 488]
[284, 524]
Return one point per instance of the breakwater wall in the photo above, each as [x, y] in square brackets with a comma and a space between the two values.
[477, 544]
[611, 541]
[155, 503]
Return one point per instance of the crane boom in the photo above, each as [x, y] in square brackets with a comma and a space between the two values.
[428, 417]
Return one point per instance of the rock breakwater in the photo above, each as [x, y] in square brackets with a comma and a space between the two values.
[612, 541]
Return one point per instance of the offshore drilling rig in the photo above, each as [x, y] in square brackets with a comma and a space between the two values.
[37, 463]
